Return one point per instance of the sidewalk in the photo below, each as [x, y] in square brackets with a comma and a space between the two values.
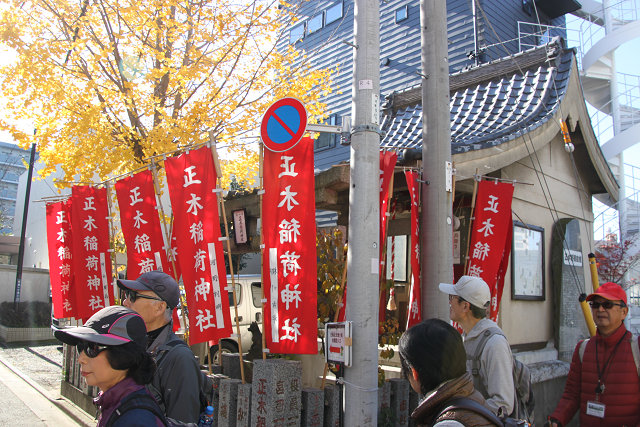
[30, 389]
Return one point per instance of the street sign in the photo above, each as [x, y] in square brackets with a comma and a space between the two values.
[337, 345]
[283, 124]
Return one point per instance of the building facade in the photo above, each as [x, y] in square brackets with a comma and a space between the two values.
[12, 165]
[476, 35]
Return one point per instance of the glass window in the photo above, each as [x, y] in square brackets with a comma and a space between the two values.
[256, 294]
[402, 13]
[297, 33]
[238, 294]
[315, 23]
[333, 13]
[327, 140]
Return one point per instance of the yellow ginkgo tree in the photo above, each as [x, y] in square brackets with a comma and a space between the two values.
[109, 83]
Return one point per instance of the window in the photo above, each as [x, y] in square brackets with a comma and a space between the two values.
[333, 13]
[297, 33]
[315, 23]
[326, 140]
[527, 262]
[238, 293]
[402, 13]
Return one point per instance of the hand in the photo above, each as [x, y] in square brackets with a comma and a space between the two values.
[552, 422]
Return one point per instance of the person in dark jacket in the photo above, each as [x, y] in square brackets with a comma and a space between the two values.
[603, 382]
[178, 380]
[112, 356]
[434, 361]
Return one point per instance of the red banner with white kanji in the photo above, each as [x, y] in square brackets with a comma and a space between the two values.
[146, 250]
[191, 179]
[91, 251]
[414, 316]
[60, 257]
[388, 161]
[490, 244]
[289, 257]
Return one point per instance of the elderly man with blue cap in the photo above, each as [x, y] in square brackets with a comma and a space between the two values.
[177, 382]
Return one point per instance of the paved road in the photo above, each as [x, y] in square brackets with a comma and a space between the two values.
[20, 403]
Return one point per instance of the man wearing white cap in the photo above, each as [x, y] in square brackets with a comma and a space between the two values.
[489, 360]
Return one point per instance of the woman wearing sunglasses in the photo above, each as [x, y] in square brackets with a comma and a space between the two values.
[112, 355]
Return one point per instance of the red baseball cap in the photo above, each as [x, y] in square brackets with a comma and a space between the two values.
[611, 291]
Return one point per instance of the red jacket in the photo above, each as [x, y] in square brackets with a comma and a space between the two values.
[621, 396]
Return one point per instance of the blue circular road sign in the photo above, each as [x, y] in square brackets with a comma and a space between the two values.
[283, 125]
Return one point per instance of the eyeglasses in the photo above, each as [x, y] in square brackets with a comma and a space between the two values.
[132, 295]
[608, 305]
[91, 349]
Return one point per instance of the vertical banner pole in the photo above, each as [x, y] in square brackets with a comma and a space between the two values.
[167, 238]
[262, 279]
[473, 206]
[112, 244]
[216, 163]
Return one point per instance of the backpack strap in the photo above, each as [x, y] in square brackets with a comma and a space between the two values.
[473, 406]
[136, 401]
[475, 359]
[583, 347]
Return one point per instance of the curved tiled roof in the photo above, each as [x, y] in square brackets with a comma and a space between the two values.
[491, 104]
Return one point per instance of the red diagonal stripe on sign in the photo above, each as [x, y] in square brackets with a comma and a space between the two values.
[283, 124]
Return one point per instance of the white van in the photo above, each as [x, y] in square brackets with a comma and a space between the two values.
[248, 295]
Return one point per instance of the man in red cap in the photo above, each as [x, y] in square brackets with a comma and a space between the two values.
[603, 379]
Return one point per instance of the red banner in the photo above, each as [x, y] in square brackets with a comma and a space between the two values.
[415, 296]
[191, 179]
[491, 238]
[388, 161]
[141, 225]
[289, 257]
[91, 251]
[60, 258]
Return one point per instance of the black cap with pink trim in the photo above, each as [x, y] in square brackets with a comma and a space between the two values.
[114, 325]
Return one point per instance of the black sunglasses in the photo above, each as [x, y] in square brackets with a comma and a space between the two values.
[91, 349]
[132, 295]
[606, 304]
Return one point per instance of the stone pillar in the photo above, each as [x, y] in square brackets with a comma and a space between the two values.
[276, 398]
[567, 272]
[384, 403]
[400, 401]
[231, 365]
[312, 407]
[331, 406]
[227, 402]
[243, 410]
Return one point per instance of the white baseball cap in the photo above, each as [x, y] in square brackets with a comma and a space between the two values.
[472, 289]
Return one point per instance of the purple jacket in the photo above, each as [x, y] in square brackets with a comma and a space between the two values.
[108, 401]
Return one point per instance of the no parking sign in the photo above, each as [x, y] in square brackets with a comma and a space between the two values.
[283, 124]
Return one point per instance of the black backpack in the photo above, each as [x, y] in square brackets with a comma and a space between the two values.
[143, 401]
[206, 390]
[472, 405]
[525, 402]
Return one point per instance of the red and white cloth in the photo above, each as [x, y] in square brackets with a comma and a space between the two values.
[491, 236]
[91, 250]
[191, 179]
[414, 315]
[289, 257]
[146, 249]
[60, 257]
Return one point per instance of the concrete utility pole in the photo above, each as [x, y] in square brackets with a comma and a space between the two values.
[437, 193]
[361, 379]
